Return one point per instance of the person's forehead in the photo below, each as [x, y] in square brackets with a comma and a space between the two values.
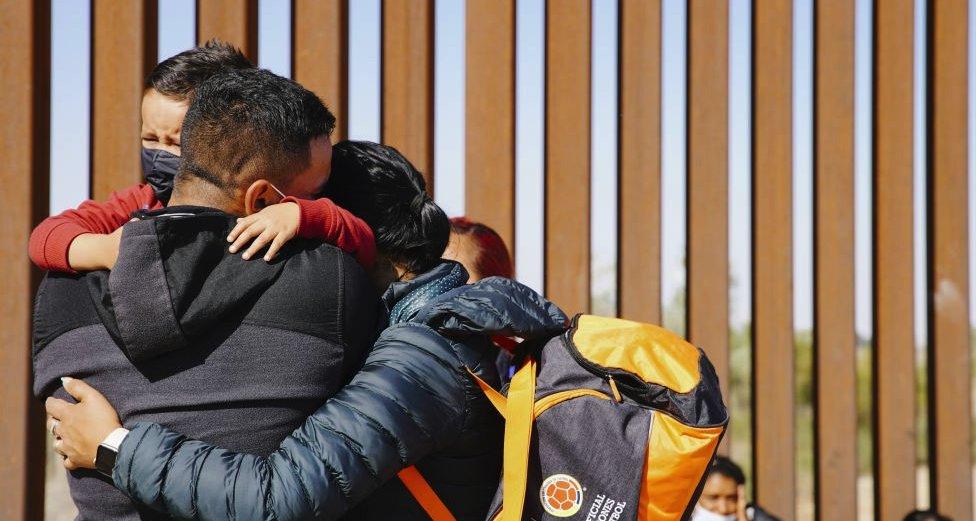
[719, 483]
[162, 111]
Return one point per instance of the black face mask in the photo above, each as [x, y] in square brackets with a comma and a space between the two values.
[160, 167]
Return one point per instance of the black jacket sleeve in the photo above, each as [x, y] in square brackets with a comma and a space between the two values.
[409, 400]
[495, 306]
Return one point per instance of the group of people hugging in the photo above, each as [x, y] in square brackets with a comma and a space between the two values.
[274, 326]
[268, 327]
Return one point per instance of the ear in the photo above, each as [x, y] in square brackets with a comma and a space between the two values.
[258, 196]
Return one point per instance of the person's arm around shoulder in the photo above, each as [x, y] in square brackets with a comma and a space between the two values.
[277, 224]
[323, 219]
[383, 421]
[87, 238]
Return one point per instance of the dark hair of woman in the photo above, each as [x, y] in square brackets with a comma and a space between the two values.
[380, 186]
[728, 468]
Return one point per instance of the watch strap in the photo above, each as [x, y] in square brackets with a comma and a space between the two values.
[114, 438]
[108, 451]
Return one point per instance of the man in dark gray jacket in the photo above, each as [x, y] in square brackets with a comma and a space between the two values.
[252, 348]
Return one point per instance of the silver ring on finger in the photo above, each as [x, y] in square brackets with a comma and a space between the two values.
[54, 426]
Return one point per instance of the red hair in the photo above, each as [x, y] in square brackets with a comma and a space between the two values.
[491, 258]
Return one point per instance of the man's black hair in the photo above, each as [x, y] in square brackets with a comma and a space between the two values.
[725, 467]
[380, 186]
[247, 124]
[178, 76]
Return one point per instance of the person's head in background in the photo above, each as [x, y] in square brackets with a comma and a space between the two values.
[720, 495]
[925, 515]
[250, 136]
[165, 100]
[479, 249]
[381, 187]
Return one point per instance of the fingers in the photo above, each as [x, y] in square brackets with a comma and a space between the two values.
[70, 440]
[270, 228]
[66, 458]
[279, 241]
[62, 451]
[76, 388]
[70, 465]
[249, 231]
[260, 242]
[241, 225]
[57, 408]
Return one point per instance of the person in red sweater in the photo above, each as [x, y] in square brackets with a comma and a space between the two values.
[87, 238]
[82, 239]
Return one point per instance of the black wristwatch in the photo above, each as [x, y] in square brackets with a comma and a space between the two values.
[108, 451]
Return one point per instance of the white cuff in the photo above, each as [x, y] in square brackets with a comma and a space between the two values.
[114, 439]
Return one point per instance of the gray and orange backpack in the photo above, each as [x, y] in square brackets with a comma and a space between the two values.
[612, 420]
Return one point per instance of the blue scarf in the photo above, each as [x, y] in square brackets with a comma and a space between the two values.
[420, 297]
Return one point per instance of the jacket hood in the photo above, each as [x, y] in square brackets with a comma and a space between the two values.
[174, 279]
[495, 306]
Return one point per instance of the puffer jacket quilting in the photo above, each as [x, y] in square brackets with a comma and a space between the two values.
[412, 403]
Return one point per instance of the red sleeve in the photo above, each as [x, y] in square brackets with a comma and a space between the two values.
[49, 242]
[323, 219]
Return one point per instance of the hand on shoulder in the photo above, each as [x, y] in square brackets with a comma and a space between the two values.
[275, 225]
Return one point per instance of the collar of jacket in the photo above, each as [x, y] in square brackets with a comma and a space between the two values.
[179, 211]
[404, 299]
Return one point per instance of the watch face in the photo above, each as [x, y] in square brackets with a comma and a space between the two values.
[105, 460]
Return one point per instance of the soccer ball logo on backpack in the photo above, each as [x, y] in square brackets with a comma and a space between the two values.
[561, 495]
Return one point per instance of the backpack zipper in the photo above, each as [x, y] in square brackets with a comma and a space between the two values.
[593, 368]
[548, 402]
[613, 387]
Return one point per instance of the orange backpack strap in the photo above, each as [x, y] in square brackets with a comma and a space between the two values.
[421, 491]
[519, 416]
[494, 396]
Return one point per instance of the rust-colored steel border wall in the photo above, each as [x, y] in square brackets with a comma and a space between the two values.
[835, 403]
[639, 188]
[124, 37]
[567, 155]
[894, 331]
[233, 21]
[950, 478]
[25, 43]
[123, 52]
[320, 39]
[408, 82]
[772, 254]
[708, 181]
[489, 184]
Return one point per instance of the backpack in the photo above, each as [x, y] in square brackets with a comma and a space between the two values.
[612, 420]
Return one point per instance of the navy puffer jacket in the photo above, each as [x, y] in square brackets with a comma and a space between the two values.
[412, 403]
